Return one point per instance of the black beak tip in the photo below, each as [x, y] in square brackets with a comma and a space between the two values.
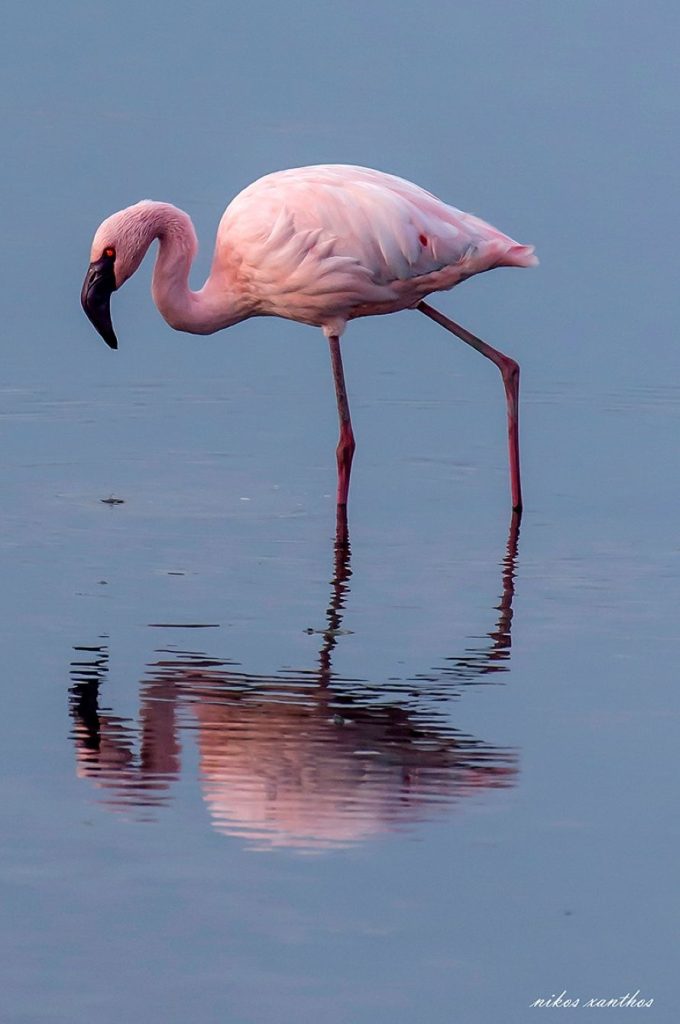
[96, 297]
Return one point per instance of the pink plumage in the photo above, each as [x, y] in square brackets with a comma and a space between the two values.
[320, 245]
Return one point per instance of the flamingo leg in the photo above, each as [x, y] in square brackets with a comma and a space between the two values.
[510, 373]
[346, 445]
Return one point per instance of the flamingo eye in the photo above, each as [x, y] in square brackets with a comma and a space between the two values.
[109, 252]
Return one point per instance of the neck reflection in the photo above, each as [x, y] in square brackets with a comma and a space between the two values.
[300, 759]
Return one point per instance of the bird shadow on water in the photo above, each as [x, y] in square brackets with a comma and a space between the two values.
[303, 759]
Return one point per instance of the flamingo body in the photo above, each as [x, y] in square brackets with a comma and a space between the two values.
[323, 245]
[319, 245]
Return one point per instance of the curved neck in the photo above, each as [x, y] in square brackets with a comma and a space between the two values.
[216, 305]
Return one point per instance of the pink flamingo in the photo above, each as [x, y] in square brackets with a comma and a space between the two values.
[319, 245]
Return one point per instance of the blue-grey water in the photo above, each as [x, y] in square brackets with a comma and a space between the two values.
[249, 777]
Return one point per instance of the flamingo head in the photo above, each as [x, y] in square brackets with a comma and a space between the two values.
[118, 248]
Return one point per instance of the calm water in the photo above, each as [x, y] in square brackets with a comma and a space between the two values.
[251, 776]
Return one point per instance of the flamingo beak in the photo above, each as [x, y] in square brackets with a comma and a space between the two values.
[99, 283]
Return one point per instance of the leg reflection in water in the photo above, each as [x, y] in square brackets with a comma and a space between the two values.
[306, 758]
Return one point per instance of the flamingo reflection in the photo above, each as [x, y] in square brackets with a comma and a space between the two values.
[302, 759]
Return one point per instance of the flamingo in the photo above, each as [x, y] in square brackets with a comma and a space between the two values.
[320, 245]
